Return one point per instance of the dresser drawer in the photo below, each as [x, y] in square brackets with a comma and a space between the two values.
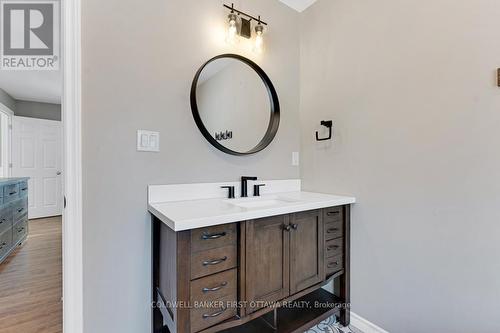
[214, 286]
[10, 192]
[19, 231]
[23, 189]
[334, 247]
[332, 214]
[212, 312]
[20, 209]
[334, 230]
[5, 219]
[334, 264]
[213, 261]
[213, 237]
[5, 242]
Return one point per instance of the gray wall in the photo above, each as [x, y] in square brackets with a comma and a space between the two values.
[7, 100]
[139, 59]
[38, 110]
[410, 86]
[30, 109]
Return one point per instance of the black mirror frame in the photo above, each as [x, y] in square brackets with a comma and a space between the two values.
[274, 121]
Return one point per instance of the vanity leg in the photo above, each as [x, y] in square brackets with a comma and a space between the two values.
[156, 317]
[345, 279]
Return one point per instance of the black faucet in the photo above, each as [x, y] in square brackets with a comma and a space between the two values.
[244, 185]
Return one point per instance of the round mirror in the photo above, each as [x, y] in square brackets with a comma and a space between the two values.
[235, 105]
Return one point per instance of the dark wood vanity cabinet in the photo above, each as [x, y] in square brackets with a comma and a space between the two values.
[307, 259]
[267, 255]
[239, 277]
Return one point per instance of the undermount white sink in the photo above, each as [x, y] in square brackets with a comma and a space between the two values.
[259, 202]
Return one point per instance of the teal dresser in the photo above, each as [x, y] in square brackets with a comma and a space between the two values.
[13, 214]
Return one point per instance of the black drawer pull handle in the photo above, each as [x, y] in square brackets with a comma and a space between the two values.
[332, 230]
[20, 210]
[2, 246]
[20, 230]
[214, 262]
[295, 226]
[219, 287]
[333, 264]
[24, 189]
[213, 315]
[12, 193]
[332, 213]
[213, 236]
[332, 247]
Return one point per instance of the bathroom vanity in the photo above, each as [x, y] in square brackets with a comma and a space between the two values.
[274, 260]
[13, 214]
[255, 264]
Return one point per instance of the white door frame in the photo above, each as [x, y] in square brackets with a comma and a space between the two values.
[72, 180]
[6, 110]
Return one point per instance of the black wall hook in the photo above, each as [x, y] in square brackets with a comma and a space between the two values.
[329, 124]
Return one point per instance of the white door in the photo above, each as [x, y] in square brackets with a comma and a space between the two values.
[37, 153]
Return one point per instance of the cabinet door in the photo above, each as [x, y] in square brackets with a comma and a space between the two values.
[306, 250]
[267, 260]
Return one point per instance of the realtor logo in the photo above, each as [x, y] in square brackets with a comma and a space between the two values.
[29, 35]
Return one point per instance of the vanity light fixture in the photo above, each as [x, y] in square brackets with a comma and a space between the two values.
[232, 29]
[259, 39]
[244, 21]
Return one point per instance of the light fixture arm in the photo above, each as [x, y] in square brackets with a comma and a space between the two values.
[244, 14]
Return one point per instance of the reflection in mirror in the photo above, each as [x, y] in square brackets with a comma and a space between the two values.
[233, 103]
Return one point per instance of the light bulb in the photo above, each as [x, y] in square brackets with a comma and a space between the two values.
[232, 30]
[259, 38]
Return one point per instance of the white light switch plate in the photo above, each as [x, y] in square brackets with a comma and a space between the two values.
[148, 141]
[295, 158]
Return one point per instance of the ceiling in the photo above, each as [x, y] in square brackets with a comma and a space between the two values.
[36, 86]
[298, 5]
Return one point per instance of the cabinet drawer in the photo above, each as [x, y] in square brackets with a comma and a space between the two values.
[5, 219]
[23, 189]
[212, 312]
[334, 247]
[10, 192]
[334, 264]
[213, 237]
[5, 242]
[213, 261]
[334, 230]
[19, 232]
[333, 214]
[20, 209]
[214, 286]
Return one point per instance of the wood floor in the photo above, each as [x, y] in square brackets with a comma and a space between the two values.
[31, 282]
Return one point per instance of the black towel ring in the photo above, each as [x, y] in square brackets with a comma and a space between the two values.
[329, 124]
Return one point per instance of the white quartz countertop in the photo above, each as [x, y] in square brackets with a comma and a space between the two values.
[192, 214]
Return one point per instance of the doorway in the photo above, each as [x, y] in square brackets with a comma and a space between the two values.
[31, 247]
[72, 226]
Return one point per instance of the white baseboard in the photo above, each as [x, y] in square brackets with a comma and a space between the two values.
[364, 325]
